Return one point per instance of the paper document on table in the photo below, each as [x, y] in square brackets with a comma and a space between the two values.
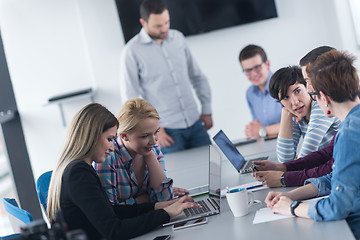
[266, 215]
[252, 187]
[315, 199]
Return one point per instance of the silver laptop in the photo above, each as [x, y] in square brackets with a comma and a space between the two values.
[208, 196]
[234, 156]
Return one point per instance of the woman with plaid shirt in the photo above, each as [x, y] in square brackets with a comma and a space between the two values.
[135, 171]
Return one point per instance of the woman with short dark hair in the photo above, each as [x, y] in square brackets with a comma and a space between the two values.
[300, 117]
[335, 83]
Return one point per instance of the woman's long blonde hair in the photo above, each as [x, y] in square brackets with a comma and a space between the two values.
[132, 112]
[85, 131]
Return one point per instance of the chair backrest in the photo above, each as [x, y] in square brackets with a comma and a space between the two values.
[17, 216]
[42, 188]
[12, 236]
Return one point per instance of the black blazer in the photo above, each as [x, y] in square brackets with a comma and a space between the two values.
[85, 205]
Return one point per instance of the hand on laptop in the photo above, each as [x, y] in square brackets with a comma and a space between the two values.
[179, 205]
[178, 192]
[269, 178]
[267, 165]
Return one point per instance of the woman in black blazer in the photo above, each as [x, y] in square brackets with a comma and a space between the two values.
[75, 187]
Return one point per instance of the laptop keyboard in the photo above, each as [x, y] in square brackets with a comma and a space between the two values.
[196, 211]
[260, 158]
[249, 163]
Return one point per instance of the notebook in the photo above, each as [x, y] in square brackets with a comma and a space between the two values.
[208, 196]
[228, 148]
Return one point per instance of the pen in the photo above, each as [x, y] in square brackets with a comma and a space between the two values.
[237, 190]
[242, 189]
[248, 188]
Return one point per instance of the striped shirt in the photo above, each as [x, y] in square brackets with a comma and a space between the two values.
[119, 181]
[317, 134]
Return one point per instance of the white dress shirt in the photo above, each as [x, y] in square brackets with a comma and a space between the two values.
[162, 74]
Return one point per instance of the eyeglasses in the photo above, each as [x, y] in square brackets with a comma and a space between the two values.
[313, 95]
[255, 68]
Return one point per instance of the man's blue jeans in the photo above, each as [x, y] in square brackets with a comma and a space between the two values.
[185, 138]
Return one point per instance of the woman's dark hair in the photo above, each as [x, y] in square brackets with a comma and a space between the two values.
[282, 79]
[333, 74]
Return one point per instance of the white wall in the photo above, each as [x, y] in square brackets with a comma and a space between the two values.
[53, 47]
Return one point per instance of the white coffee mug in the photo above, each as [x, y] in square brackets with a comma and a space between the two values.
[240, 201]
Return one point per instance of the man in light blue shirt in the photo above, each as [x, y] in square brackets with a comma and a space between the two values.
[265, 110]
[157, 65]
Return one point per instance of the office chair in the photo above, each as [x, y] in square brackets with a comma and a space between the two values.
[42, 188]
[12, 236]
[17, 216]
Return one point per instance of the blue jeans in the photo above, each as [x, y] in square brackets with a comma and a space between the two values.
[185, 138]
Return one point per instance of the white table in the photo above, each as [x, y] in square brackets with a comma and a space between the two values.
[190, 169]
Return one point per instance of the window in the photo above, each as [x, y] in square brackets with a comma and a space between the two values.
[355, 10]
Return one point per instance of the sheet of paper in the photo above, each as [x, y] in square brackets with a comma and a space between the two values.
[315, 199]
[223, 191]
[265, 214]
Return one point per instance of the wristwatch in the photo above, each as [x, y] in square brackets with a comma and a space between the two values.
[282, 180]
[262, 132]
[294, 205]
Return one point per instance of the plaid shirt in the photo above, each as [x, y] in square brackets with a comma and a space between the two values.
[119, 181]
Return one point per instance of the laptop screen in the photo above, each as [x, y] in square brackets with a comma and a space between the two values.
[229, 150]
[214, 172]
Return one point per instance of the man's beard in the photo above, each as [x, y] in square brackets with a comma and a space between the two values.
[160, 36]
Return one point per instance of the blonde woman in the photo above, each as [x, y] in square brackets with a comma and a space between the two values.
[76, 190]
[135, 171]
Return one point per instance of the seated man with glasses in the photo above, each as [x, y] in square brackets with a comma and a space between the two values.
[265, 110]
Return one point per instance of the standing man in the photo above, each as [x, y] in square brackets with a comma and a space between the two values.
[265, 110]
[157, 65]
